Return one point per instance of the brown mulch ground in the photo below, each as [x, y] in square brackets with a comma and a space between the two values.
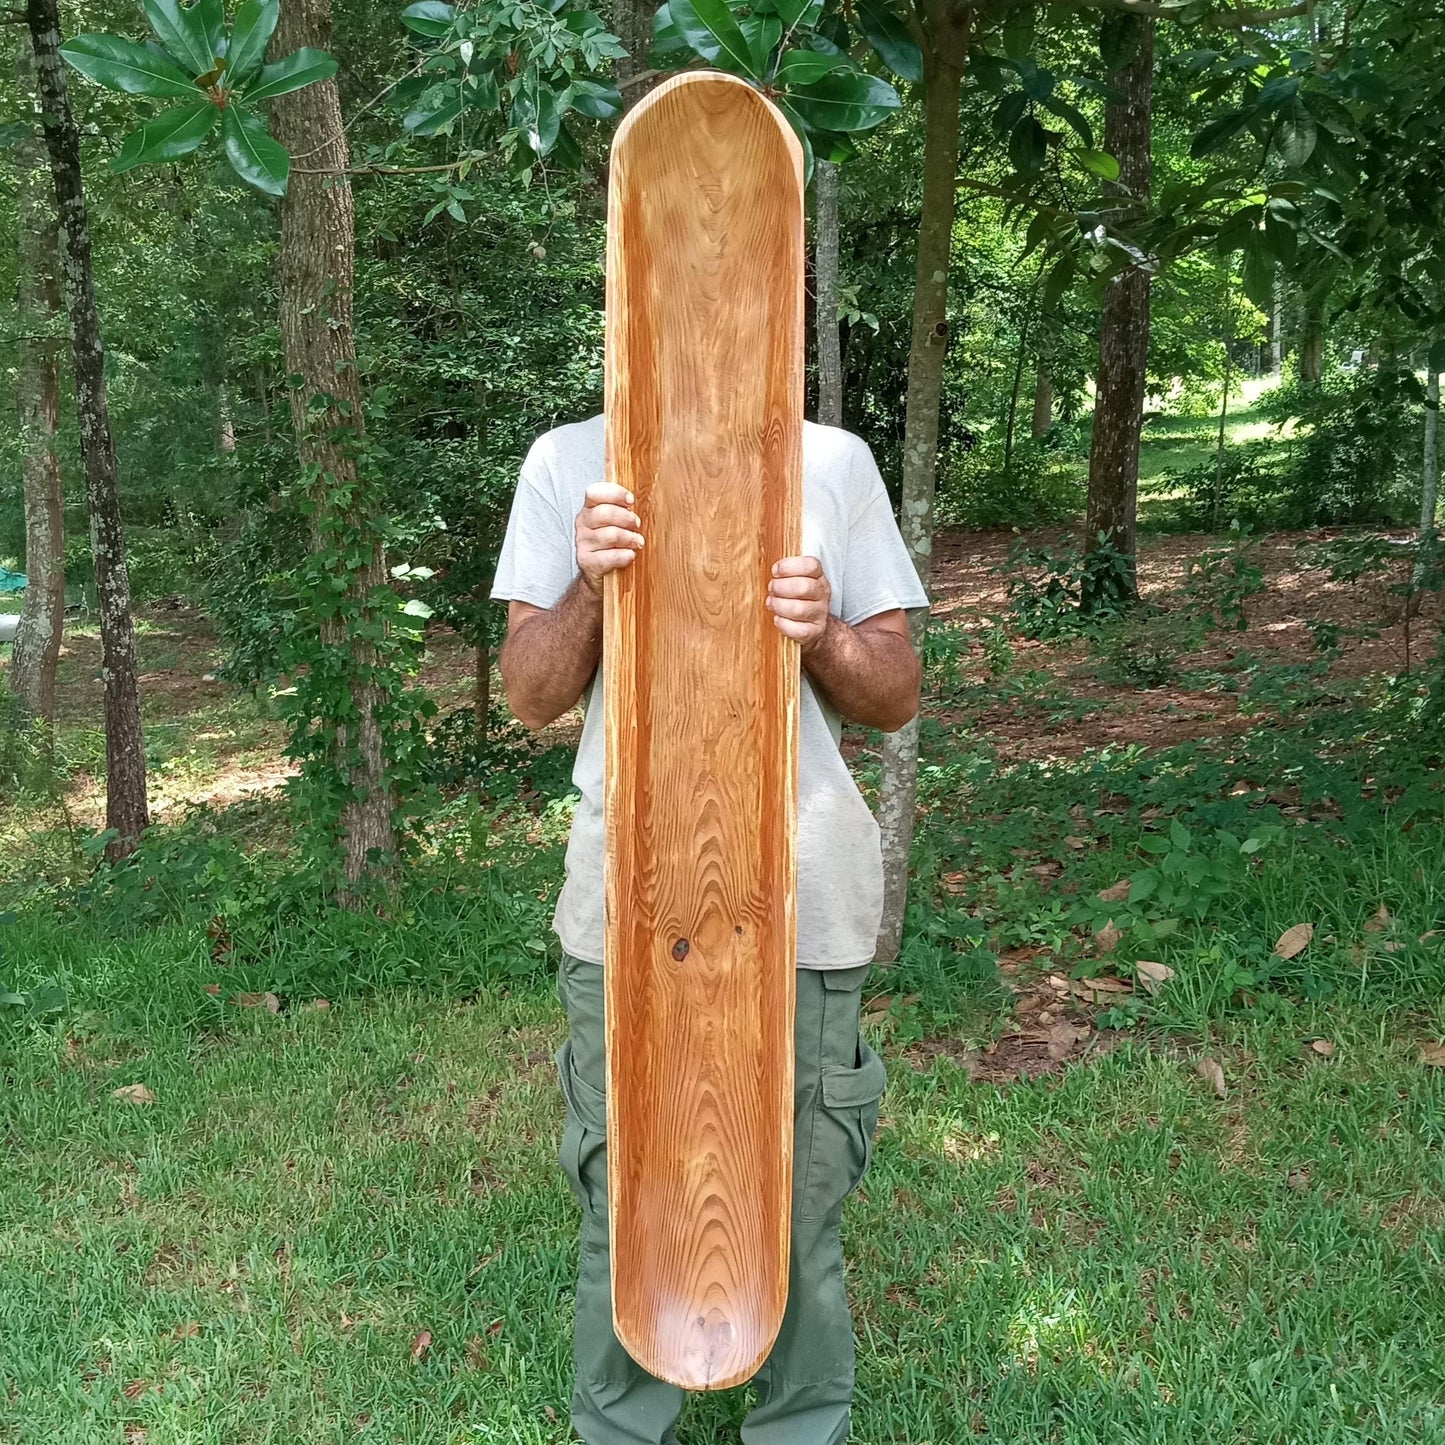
[970, 588]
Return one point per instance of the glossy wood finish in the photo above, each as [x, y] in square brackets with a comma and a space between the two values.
[704, 427]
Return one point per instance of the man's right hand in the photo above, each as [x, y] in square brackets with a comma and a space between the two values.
[608, 535]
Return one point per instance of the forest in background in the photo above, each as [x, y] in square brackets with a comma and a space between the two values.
[1139, 305]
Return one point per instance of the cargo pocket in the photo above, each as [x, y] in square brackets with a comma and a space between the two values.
[843, 1127]
[584, 1137]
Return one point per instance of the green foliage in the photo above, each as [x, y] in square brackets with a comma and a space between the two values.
[1219, 581]
[1060, 592]
[506, 75]
[196, 58]
[1143, 647]
[1041, 485]
[800, 59]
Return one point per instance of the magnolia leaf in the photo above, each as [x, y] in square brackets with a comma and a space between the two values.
[120, 64]
[1153, 975]
[889, 36]
[1212, 1071]
[711, 29]
[180, 30]
[255, 22]
[301, 68]
[1296, 135]
[259, 160]
[430, 18]
[171, 135]
[801, 67]
[1101, 163]
[845, 100]
[1294, 941]
[133, 1094]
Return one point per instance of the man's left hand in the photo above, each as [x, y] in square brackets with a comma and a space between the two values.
[798, 597]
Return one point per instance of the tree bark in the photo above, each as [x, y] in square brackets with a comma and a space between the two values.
[1123, 325]
[482, 687]
[825, 267]
[37, 396]
[944, 28]
[126, 808]
[632, 24]
[1430, 478]
[1312, 343]
[1043, 417]
[1276, 331]
[316, 264]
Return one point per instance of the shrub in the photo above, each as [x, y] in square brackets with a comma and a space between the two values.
[1042, 485]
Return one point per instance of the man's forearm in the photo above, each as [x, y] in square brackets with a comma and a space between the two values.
[870, 676]
[549, 658]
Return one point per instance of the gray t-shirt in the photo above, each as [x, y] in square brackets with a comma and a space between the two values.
[848, 525]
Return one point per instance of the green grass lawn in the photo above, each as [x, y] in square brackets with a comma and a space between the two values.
[346, 1224]
[1172, 444]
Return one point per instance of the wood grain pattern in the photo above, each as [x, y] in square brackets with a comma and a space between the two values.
[704, 393]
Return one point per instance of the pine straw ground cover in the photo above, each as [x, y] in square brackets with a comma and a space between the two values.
[1160, 1160]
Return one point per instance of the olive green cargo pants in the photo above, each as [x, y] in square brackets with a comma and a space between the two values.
[805, 1388]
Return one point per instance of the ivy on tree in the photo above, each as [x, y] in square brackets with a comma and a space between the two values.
[221, 74]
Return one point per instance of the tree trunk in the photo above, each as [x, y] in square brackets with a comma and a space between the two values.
[830, 356]
[315, 267]
[1276, 331]
[632, 24]
[945, 53]
[37, 396]
[1312, 343]
[126, 810]
[482, 687]
[1425, 541]
[1223, 418]
[1123, 329]
[1430, 487]
[1013, 400]
[1043, 417]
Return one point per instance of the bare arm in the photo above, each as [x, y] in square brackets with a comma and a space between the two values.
[869, 671]
[551, 652]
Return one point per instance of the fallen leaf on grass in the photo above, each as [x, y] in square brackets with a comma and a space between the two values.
[1058, 983]
[1116, 892]
[1294, 940]
[1379, 920]
[1212, 1072]
[1093, 989]
[1106, 940]
[550, 1413]
[268, 1001]
[133, 1094]
[135, 1389]
[1323, 1047]
[1076, 843]
[1153, 975]
[1433, 1055]
[421, 1344]
[955, 882]
[320, 1004]
[214, 989]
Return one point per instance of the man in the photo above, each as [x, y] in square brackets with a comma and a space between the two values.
[844, 604]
